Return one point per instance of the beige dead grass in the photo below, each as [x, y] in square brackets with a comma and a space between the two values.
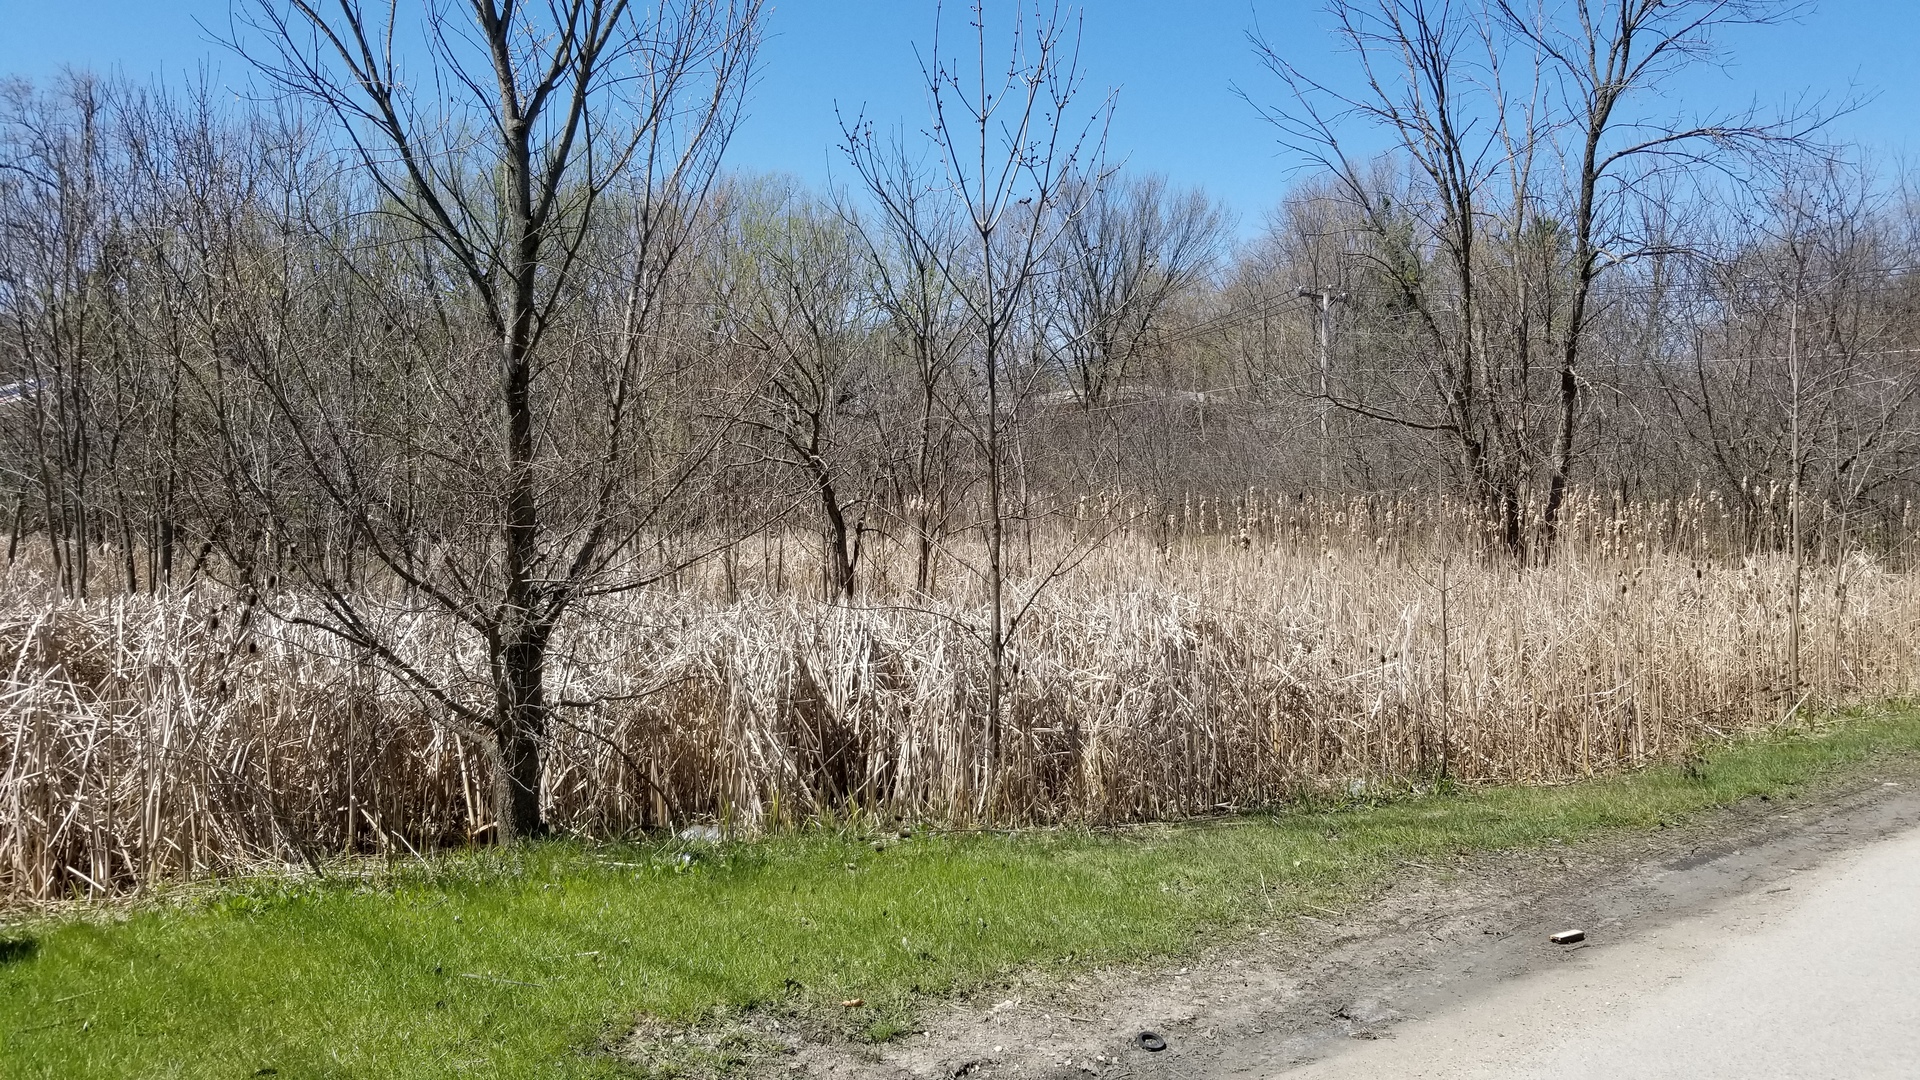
[1211, 658]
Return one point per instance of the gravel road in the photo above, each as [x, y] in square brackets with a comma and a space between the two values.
[1817, 976]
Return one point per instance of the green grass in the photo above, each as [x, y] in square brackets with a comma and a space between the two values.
[536, 961]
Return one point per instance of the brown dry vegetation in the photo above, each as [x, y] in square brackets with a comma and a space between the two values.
[1227, 655]
[761, 505]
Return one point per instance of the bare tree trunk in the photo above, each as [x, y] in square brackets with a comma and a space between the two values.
[841, 544]
[520, 728]
[996, 569]
[521, 686]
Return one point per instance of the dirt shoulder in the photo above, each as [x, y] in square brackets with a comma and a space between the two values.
[1435, 936]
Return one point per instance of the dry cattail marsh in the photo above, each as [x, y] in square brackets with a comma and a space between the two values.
[1223, 656]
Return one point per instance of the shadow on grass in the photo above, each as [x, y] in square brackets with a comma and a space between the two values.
[15, 950]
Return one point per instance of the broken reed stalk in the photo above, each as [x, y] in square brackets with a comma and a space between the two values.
[1226, 655]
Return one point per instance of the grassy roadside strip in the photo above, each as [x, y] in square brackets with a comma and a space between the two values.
[534, 962]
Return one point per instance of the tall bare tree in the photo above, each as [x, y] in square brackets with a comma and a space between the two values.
[1010, 153]
[1605, 59]
[1497, 269]
[498, 135]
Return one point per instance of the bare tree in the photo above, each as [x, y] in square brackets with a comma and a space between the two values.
[1425, 234]
[56, 228]
[1010, 154]
[1499, 274]
[1795, 315]
[525, 127]
[803, 305]
[927, 334]
[1605, 58]
[1131, 249]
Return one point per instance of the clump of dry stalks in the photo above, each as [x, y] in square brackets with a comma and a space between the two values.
[1211, 658]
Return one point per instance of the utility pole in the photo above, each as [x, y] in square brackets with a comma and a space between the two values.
[1326, 298]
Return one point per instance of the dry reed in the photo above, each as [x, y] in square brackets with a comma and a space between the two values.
[1199, 658]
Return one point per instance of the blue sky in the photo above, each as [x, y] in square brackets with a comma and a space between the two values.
[1173, 65]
